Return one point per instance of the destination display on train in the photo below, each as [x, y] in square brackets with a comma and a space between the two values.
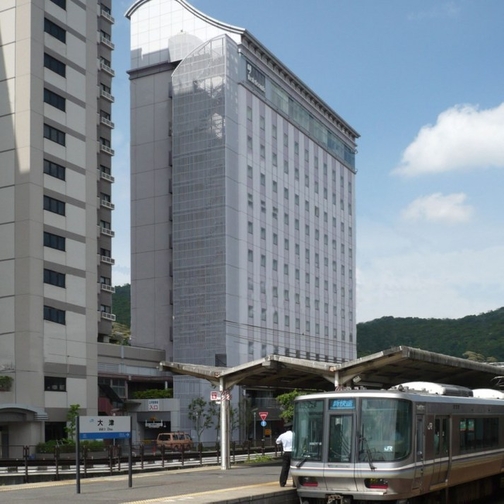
[339, 404]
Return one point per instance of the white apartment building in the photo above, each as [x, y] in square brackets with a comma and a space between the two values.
[55, 212]
[242, 200]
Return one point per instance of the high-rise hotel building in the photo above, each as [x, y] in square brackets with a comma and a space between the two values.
[242, 199]
[55, 212]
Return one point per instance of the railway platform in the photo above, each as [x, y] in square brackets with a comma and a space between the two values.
[199, 485]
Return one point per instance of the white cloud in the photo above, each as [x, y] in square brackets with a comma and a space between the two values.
[463, 137]
[429, 284]
[436, 207]
[441, 10]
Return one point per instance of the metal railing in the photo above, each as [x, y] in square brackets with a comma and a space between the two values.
[114, 459]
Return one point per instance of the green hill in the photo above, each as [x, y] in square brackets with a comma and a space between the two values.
[121, 304]
[480, 334]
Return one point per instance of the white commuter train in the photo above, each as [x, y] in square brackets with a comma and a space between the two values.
[419, 442]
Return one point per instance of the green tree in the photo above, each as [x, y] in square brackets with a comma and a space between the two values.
[71, 426]
[474, 356]
[199, 415]
[286, 402]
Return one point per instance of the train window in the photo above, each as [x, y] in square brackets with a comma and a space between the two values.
[308, 430]
[441, 437]
[340, 438]
[478, 433]
[385, 430]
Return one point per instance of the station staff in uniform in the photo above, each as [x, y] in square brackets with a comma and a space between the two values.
[285, 440]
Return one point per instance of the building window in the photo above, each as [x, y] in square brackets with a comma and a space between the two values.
[262, 122]
[275, 239]
[55, 65]
[54, 278]
[275, 265]
[263, 179]
[275, 186]
[251, 312]
[54, 315]
[54, 384]
[54, 30]
[263, 314]
[54, 205]
[54, 241]
[275, 318]
[249, 171]
[53, 134]
[275, 292]
[250, 227]
[263, 260]
[263, 233]
[250, 256]
[54, 169]
[286, 166]
[274, 131]
[249, 113]
[54, 99]
[60, 3]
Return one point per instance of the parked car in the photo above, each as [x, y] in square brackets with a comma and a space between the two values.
[174, 441]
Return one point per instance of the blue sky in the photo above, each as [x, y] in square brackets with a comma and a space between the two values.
[422, 81]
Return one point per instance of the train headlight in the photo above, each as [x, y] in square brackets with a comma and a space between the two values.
[376, 483]
[308, 481]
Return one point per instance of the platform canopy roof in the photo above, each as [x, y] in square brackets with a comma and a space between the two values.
[381, 370]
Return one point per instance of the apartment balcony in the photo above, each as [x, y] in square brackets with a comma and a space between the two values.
[106, 231]
[107, 316]
[107, 288]
[106, 42]
[106, 95]
[106, 176]
[105, 15]
[106, 149]
[107, 122]
[106, 259]
[106, 204]
[106, 68]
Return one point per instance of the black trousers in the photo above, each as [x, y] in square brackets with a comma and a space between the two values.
[286, 460]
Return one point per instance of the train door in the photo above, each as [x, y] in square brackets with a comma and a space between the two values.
[419, 452]
[441, 450]
[339, 471]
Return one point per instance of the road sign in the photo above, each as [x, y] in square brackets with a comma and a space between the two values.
[263, 415]
[104, 427]
[263, 423]
[216, 395]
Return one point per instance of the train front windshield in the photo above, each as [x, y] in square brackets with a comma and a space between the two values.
[349, 429]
